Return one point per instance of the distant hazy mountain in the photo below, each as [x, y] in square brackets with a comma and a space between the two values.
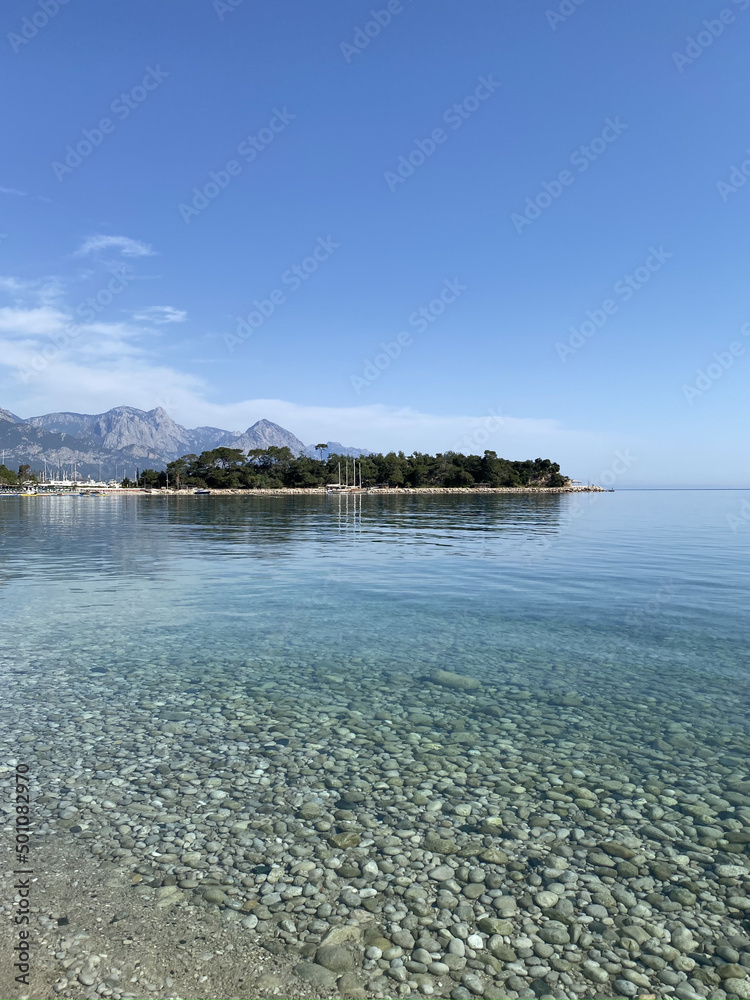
[123, 438]
[264, 434]
[334, 448]
[22, 443]
[122, 427]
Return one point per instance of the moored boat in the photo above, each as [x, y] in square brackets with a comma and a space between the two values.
[344, 487]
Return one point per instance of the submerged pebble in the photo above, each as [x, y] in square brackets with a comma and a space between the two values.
[531, 825]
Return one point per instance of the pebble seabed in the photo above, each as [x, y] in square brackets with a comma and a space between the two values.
[414, 831]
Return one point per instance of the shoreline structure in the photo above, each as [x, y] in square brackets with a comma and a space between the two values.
[375, 491]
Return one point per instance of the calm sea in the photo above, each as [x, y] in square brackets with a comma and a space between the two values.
[646, 591]
[207, 690]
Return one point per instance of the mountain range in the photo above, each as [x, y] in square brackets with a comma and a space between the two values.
[115, 443]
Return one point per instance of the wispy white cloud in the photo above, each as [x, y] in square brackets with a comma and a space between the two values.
[127, 246]
[49, 360]
[380, 427]
[23, 323]
[160, 315]
[13, 285]
[15, 191]
[46, 291]
[56, 356]
[106, 367]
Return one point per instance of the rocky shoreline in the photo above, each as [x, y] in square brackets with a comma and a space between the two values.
[391, 834]
[385, 491]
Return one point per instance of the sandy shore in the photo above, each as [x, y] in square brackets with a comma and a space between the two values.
[93, 937]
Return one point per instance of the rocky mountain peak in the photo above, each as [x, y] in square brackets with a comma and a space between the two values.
[126, 436]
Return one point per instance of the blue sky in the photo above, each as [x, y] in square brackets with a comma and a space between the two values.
[547, 152]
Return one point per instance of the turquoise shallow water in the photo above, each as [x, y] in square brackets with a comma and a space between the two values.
[208, 687]
[650, 588]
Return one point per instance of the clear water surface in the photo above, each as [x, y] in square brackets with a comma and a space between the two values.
[285, 650]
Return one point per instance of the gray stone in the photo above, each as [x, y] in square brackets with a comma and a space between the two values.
[310, 810]
[502, 951]
[682, 896]
[739, 988]
[636, 932]
[442, 873]
[545, 900]
[403, 938]
[440, 845]
[728, 953]
[473, 890]
[350, 986]
[316, 975]
[457, 681]
[730, 970]
[682, 939]
[472, 983]
[669, 977]
[554, 933]
[625, 988]
[494, 925]
[335, 957]
[214, 895]
[594, 972]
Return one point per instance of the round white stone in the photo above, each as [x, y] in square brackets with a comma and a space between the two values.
[546, 899]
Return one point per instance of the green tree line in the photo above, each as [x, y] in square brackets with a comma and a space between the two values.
[275, 468]
[10, 478]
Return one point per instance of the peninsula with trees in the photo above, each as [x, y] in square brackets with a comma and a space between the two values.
[277, 468]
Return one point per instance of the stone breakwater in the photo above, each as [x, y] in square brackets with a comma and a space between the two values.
[389, 491]
[411, 831]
